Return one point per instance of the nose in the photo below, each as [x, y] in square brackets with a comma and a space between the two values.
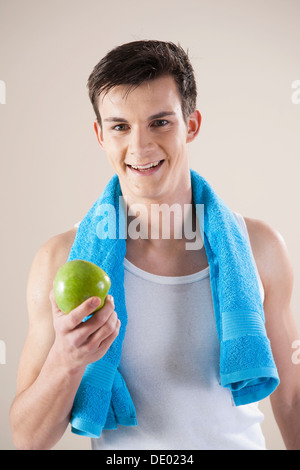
[140, 142]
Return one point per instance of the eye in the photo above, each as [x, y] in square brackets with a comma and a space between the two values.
[160, 123]
[120, 127]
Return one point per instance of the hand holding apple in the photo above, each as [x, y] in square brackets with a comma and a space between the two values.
[79, 286]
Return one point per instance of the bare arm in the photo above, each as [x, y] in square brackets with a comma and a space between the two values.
[57, 349]
[275, 269]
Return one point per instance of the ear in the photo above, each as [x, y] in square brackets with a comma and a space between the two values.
[99, 134]
[193, 125]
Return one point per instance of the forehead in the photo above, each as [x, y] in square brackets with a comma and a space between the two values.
[149, 97]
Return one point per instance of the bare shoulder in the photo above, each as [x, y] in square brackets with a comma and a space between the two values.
[262, 236]
[59, 245]
[50, 256]
[271, 255]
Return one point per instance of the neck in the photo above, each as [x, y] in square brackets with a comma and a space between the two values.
[159, 218]
[168, 242]
[163, 234]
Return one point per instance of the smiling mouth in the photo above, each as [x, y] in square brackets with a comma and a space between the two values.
[147, 166]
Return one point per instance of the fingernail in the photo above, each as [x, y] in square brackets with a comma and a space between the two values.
[95, 302]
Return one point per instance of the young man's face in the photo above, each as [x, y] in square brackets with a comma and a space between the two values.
[145, 137]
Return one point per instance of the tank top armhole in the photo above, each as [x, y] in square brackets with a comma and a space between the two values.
[241, 221]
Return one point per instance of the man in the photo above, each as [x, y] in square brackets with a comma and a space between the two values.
[144, 97]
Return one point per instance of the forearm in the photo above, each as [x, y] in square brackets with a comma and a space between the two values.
[42, 408]
[290, 429]
[287, 417]
[40, 414]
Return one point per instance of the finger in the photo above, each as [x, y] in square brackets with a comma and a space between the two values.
[103, 320]
[104, 331]
[107, 342]
[102, 348]
[101, 316]
[86, 308]
[55, 309]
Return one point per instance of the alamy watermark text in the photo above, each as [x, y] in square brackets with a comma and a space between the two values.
[159, 221]
[2, 352]
[2, 92]
[296, 94]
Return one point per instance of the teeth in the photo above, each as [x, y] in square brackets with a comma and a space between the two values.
[145, 167]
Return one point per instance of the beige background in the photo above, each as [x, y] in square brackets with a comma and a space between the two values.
[245, 55]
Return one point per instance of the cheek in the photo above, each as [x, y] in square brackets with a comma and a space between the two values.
[175, 142]
[176, 151]
[114, 151]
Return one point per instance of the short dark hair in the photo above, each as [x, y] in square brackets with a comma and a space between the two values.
[140, 61]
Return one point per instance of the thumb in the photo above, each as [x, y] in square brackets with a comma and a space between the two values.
[55, 310]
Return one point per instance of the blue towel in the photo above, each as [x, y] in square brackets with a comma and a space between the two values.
[103, 400]
[247, 366]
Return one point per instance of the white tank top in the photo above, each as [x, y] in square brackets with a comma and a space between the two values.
[170, 363]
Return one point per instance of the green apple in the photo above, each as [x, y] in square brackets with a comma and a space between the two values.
[76, 281]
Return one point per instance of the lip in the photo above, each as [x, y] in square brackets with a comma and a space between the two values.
[146, 171]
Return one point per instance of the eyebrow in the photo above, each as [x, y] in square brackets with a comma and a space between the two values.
[162, 114]
[154, 116]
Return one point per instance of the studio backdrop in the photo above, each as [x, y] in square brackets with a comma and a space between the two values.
[246, 59]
